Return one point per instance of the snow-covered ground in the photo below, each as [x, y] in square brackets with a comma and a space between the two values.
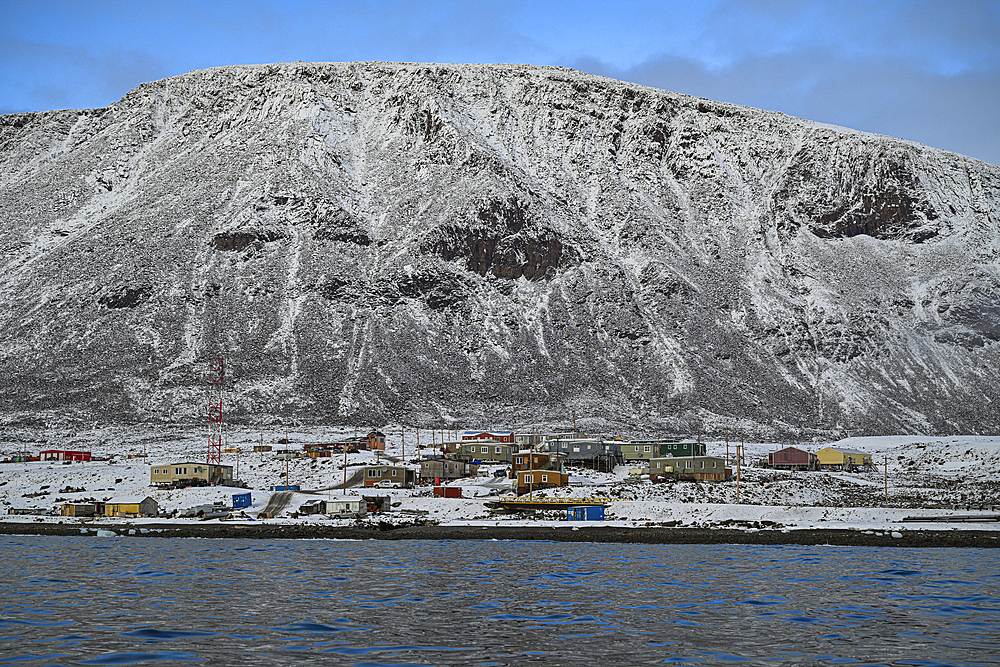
[922, 476]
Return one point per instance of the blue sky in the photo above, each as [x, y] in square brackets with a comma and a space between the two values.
[928, 71]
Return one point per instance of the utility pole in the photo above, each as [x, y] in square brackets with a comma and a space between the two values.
[531, 474]
[886, 468]
[738, 476]
[345, 468]
[217, 380]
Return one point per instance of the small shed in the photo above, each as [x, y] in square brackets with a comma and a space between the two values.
[346, 507]
[585, 513]
[313, 506]
[79, 509]
[131, 506]
[378, 503]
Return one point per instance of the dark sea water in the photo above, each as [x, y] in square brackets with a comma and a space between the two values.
[117, 601]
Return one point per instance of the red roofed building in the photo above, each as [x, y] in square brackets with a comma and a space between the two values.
[506, 437]
[63, 455]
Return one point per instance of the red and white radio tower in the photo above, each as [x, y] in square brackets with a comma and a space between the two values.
[216, 378]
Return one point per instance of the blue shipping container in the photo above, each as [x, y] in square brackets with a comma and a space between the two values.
[293, 487]
[585, 513]
[241, 500]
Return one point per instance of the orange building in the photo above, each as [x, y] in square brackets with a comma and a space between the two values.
[376, 440]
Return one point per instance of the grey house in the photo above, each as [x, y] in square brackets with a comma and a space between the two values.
[484, 451]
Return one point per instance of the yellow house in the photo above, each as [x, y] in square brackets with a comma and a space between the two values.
[131, 506]
[842, 457]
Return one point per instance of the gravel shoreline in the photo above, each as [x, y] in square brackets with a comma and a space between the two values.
[637, 535]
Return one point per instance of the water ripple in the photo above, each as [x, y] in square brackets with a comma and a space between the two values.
[133, 657]
[365, 650]
[153, 634]
[233, 601]
[320, 628]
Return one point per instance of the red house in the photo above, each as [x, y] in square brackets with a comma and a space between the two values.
[506, 437]
[791, 457]
[63, 455]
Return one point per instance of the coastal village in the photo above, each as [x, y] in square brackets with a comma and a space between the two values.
[405, 476]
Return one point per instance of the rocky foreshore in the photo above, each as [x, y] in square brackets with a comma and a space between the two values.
[643, 535]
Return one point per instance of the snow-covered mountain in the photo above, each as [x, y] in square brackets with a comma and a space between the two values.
[490, 244]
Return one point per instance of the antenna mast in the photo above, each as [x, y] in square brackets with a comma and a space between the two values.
[216, 380]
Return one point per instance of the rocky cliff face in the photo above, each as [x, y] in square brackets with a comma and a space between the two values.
[494, 244]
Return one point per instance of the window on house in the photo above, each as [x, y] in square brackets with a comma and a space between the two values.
[372, 472]
[393, 472]
[545, 478]
[703, 464]
[484, 450]
[497, 450]
[647, 448]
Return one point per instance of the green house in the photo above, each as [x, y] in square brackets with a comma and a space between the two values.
[668, 448]
[644, 450]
